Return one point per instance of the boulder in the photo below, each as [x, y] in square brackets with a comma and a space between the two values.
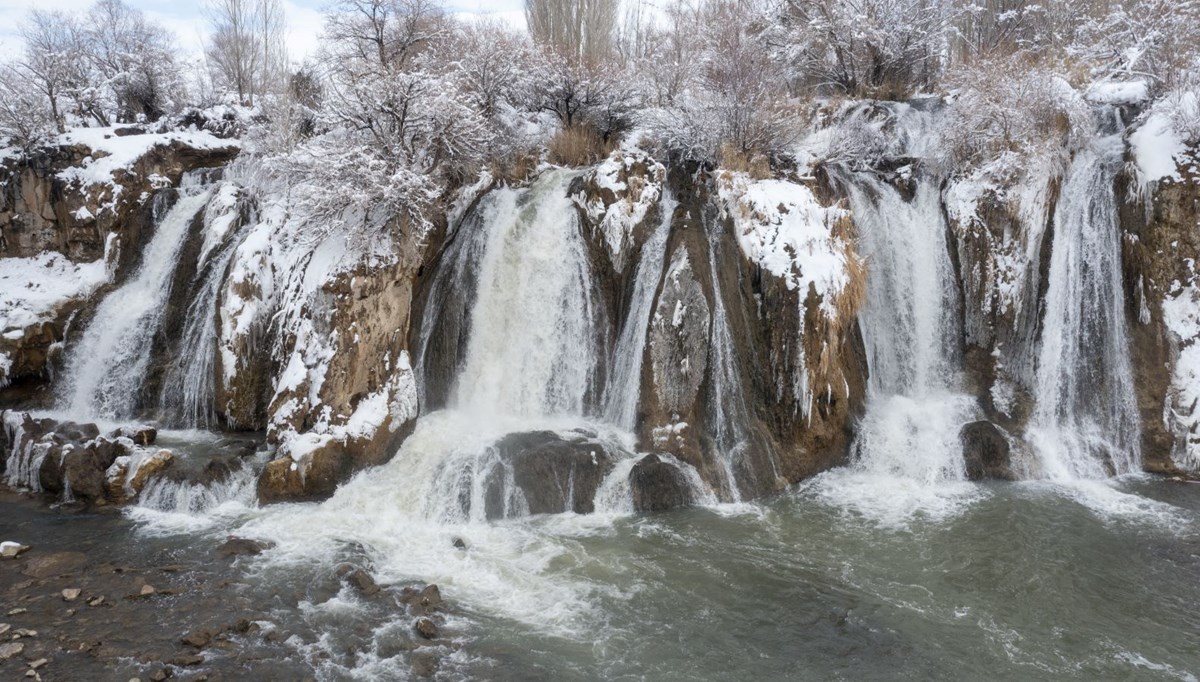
[141, 434]
[74, 432]
[150, 467]
[241, 547]
[987, 452]
[426, 628]
[83, 472]
[658, 484]
[553, 472]
[358, 579]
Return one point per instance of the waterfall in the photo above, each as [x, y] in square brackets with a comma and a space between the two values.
[187, 393]
[107, 366]
[910, 326]
[624, 386]
[532, 348]
[727, 411]
[1086, 422]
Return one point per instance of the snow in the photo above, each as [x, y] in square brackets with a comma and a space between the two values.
[32, 290]
[782, 227]
[1156, 145]
[1118, 92]
[112, 153]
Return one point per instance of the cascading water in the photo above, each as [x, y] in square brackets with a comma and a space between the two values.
[187, 393]
[911, 332]
[1086, 422]
[624, 386]
[107, 366]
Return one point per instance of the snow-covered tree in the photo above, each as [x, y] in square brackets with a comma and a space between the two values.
[55, 65]
[1151, 40]
[26, 121]
[134, 60]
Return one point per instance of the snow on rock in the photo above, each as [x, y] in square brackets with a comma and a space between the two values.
[1156, 146]
[33, 293]
[1181, 312]
[782, 227]
[112, 152]
[618, 194]
[1118, 92]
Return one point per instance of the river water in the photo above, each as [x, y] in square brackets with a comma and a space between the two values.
[850, 576]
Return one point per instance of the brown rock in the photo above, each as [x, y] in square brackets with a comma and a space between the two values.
[198, 638]
[987, 452]
[71, 593]
[426, 628]
[242, 547]
[152, 466]
[358, 579]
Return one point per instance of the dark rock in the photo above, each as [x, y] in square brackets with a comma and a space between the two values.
[658, 485]
[198, 638]
[424, 664]
[51, 565]
[430, 597]
[187, 660]
[77, 432]
[459, 543]
[160, 675]
[987, 452]
[242, 547]
[426, 628]
[83, 473]
[552, 473]
[358, 579]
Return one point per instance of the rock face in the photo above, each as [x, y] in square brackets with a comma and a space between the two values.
[987, 452]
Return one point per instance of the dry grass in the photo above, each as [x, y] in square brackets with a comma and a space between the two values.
[579, 145]
[825, 346]
[514, 169]
[734, 159]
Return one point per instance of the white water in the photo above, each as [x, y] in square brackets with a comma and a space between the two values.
[910, 327]
[624, 386]
[532, 348]
[107, 365]
[1086, 423]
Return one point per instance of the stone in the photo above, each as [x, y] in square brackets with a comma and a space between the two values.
[658, 485]
[24, 632]
[77, 432]
[241, 547]
[39, 663]
[459, 544]
[58, 563]
[430, 597]
[160, 675]
[198, 638]
[71, 593]
[146, 590]
[96, 601]
[426, 628]
[10, 649]
[152, 466]
[555, 473]
[187, 660]
[358, 579]
[18, 611]
[141, 435]
[4, 627]
[987, 452]
[83, 472]
[12, 550]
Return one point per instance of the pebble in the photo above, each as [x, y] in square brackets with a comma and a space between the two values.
[22, 632]
[71, 593]
[95, 601]
[10, 649]
[39, 663]
[4, 627]
[11, 550]
[17, 612]
[147, 590]
[33, 674]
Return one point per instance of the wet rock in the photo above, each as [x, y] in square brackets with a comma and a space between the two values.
[425, 600]
[199, 638]
[83, 472]
[987, 452]
[39, 663]
[552, 472]
[77, 432]
[71, 593]
[10, 649]
[96, 601]
[426, 628]
[152, 466]
[12, 550]
[140, 435]
[146, 591]
[242, 547]
[358, 579]
[160, 675]
[187, 660]
[459, 543]
[658, 485]
[59, 563]
[424, 664]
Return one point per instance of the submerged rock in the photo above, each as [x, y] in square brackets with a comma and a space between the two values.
[358, 579]
[987, 452]
[241, 547]
[51, 565]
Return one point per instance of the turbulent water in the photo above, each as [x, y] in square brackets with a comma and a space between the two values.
[911, 330]
[107, 365]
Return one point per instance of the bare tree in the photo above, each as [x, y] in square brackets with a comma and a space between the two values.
[585, 30]
[53, 62]
[247, 50]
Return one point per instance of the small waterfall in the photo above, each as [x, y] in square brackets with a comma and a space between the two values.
[624, 386]
[1086, 422]
[910, 326]
[727, 412]
[106, 368]
[187, 393]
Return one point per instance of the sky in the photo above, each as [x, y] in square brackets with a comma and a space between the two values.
[188, 22]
